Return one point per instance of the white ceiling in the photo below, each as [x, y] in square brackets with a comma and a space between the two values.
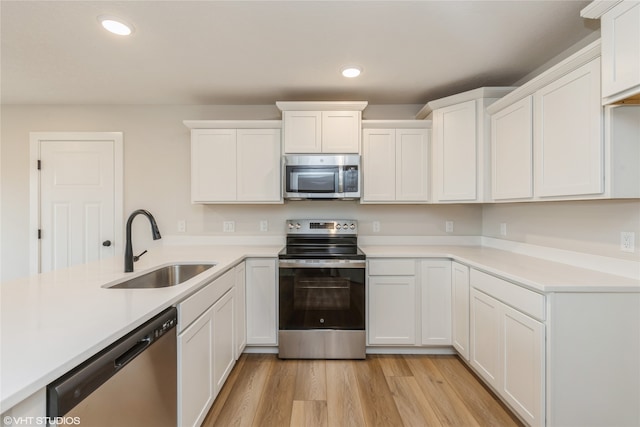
[257, 52]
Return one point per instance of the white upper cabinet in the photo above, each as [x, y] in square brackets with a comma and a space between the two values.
[620, 29]
[321, 127]
[568, 134]
[235, 165]
[395, 162]
[512, 151]
[580, 150]
[461, 145]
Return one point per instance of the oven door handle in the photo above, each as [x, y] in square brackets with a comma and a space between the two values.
[303, 263]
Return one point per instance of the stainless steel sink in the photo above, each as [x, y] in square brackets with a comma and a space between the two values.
[163, 277]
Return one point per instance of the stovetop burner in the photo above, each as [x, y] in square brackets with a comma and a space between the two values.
[322, 239]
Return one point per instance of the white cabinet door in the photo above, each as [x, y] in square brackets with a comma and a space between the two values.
[412, 182]
[196, 390]
[485, 337]
[392, 310]
[460, 308]
[621, 51]
[223, 339]
[455, 163]
[523, 365]
[302, 131]
[258, 161]
[262, 291]
[213, 165]
[568, 134]
[435, 284]
[379, 165]
[512, 151]
[241, 310]
[341, 131]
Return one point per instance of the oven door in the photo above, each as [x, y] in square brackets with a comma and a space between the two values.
[312, 179]
[317, 296]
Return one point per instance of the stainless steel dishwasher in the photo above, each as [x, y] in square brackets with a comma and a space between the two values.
[130, 383]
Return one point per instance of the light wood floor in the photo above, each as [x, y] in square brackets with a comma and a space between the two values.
[383, 390]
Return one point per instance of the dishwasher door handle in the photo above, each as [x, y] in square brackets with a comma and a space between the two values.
[130, 354]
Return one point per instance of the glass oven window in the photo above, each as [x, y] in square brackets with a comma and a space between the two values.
[321, 298]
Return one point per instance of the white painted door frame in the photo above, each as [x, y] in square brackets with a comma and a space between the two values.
[35, 140]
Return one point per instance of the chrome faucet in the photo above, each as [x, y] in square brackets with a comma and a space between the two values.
[129, 259]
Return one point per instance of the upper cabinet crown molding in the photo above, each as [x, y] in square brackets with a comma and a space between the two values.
[583, 56]
[597, 8]
[483, 92]
[321, 105]
[233, 124]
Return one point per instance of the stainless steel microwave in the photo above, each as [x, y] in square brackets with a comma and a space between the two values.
[321, 176]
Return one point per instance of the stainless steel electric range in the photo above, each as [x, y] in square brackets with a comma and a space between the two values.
[322, 291]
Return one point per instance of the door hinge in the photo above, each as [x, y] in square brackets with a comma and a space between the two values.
[39, 233]
[39, 165]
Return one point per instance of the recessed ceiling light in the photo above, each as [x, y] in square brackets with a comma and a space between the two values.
[115, 25]
[351, 72]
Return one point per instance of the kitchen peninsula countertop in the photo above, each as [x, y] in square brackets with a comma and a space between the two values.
[54, 321]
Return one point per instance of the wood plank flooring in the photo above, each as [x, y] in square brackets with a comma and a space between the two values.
[383, 390]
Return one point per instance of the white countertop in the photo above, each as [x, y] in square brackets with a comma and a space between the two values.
[54, 321]
[534, 273]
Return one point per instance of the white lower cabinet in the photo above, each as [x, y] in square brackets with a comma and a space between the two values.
[206, 348]
[262, 308]
[460, 309]
[435, 302]
[241, 310]
[409, 302]
[507, 347]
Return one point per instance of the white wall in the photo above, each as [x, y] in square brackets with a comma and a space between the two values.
[156, 151]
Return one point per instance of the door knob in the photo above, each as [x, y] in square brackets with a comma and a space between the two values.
[106, 243]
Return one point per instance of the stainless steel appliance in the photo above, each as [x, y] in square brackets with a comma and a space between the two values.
[130, 383]
[322, 176]
[321, 291]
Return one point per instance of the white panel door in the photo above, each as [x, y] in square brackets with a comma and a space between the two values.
[379, 165]
[621, 50]
[523, 375]
[412, 147]
[512, 151]
[460, 308]
[302, 131]
[258, 173]
[77, 202]
[435, 281]
[213, 165]
[341, 131]
[568, 141]
[455, 131]
[392, 310]
[262, 309]
[223, 339]
[485, 337]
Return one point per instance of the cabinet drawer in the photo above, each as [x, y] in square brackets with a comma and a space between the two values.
[522, 299]
[191, 308]
[392, 267]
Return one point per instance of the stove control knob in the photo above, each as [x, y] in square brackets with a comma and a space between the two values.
[338, 226]
[297, 226]
[352, 226]
[290, 226]
[345, 226]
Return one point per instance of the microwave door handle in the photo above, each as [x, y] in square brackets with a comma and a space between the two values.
[340, 179]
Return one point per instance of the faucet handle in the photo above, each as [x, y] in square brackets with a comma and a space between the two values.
[137, 257]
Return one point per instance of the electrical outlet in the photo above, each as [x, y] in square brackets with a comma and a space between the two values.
[264, 225]
[628, 241]
[182, 226]
[503, 228]
[376, 226]
[229, 226]
[448, 226]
